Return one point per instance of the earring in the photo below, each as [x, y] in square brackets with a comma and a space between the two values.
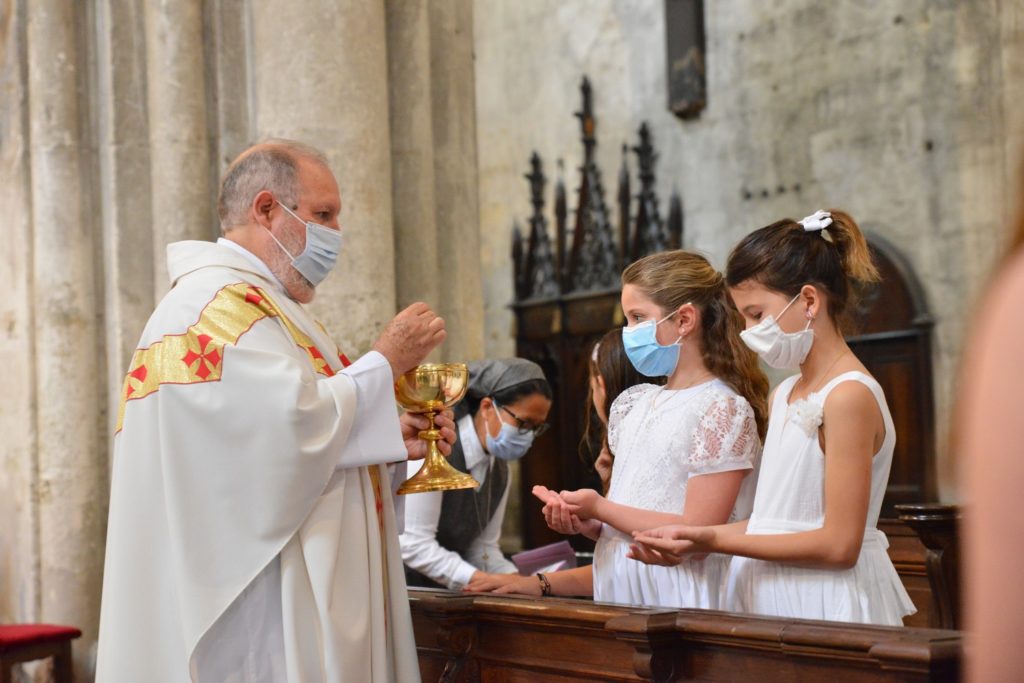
[808, 315]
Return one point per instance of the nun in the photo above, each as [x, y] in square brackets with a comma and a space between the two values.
[452, 537]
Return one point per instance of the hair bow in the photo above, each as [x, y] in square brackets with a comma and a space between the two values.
[817, 221]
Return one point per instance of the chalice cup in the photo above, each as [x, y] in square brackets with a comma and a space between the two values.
[427, 390]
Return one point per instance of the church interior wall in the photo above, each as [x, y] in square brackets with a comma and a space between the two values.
[117, 119]
[901, 113]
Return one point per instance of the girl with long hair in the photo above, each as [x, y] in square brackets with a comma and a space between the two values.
[684, 451]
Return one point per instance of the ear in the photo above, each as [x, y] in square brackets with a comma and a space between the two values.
[262, 206]
[812, 301]
[600, 382]
[687, 318]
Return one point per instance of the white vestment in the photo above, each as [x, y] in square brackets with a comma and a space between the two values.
[250, 536]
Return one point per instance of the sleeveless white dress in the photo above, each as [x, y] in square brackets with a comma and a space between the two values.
[791, 498]
[658, 446]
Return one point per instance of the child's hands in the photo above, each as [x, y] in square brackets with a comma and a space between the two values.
[647, 555]
[677, 539]
[559, 518]
[583, 503]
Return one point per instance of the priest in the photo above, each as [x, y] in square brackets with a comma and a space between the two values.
[252, 533]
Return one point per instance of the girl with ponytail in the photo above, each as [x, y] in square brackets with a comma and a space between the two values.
[811, 548]
[685, 452]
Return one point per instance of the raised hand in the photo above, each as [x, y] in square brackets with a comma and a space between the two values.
[560, 519]
[409, 337]
[413, 424]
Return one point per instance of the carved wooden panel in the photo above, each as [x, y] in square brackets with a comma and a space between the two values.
[506, 638]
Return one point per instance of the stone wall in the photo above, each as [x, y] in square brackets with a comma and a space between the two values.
[905, 114]
[117, 118]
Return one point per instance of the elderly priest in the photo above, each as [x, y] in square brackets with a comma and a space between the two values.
[252, 533]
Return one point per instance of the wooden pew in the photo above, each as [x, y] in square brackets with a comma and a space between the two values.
[511, 638]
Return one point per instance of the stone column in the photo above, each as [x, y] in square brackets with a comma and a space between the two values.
[320, 76]
[19, 578]
[452, 81]
[419, 263]
[123, 156]
[180, 166]
[72, 486]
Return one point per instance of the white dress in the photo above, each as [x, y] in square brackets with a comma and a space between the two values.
[791, 498]
[659, 445]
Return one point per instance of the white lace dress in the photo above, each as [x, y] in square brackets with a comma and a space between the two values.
[790, 498]
[659, 445]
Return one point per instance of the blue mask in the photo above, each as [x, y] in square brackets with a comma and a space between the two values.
[322, 247]
[645, 353]
[509, 444]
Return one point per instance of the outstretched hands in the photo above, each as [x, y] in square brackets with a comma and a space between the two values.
[567, 517]
[668, 544]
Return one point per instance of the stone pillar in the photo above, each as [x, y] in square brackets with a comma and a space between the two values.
[419, 263]
[180, 181]
[320, 76]
[72, 485]
[452, 81]
[19, 578]
[123, 156]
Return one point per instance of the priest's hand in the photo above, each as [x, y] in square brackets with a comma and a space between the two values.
[482, 582]
[413, 424]
[409, 337]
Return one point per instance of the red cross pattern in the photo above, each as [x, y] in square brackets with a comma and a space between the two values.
[206, 361]
[134, 381]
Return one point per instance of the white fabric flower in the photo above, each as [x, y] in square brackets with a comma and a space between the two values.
[807, 414]
[817, 221]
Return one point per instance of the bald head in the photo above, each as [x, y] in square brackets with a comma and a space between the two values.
[272, 165]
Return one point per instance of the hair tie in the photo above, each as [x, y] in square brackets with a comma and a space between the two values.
[817, 221]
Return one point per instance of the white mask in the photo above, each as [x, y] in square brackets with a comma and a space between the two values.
[780, 350]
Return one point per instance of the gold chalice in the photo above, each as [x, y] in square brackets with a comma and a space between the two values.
[428, 389]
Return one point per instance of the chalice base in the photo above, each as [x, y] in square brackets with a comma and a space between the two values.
[437, 475]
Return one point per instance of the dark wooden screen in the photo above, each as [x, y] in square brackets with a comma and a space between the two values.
[567, 297]
[893, 340]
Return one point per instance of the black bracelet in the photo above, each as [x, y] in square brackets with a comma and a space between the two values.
[545, 585]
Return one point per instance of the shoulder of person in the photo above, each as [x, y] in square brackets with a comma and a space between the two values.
[625, 400]
[723, 398]
[852, 398]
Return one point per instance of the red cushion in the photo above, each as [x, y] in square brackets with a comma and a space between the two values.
[17, 635]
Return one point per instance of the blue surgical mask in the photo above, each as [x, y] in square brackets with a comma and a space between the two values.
[509, 444]
[322, 247]
[645, 353]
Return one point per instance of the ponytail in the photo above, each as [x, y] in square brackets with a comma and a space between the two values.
[853, 248]
[784, 257]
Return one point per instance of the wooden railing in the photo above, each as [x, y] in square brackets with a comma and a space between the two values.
[509, 638]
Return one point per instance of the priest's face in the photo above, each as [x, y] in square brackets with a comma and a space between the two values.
[319, 201]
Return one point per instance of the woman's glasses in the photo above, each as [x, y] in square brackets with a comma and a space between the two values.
[523, 426]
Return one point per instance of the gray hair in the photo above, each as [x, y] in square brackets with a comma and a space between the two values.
[269, 165]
